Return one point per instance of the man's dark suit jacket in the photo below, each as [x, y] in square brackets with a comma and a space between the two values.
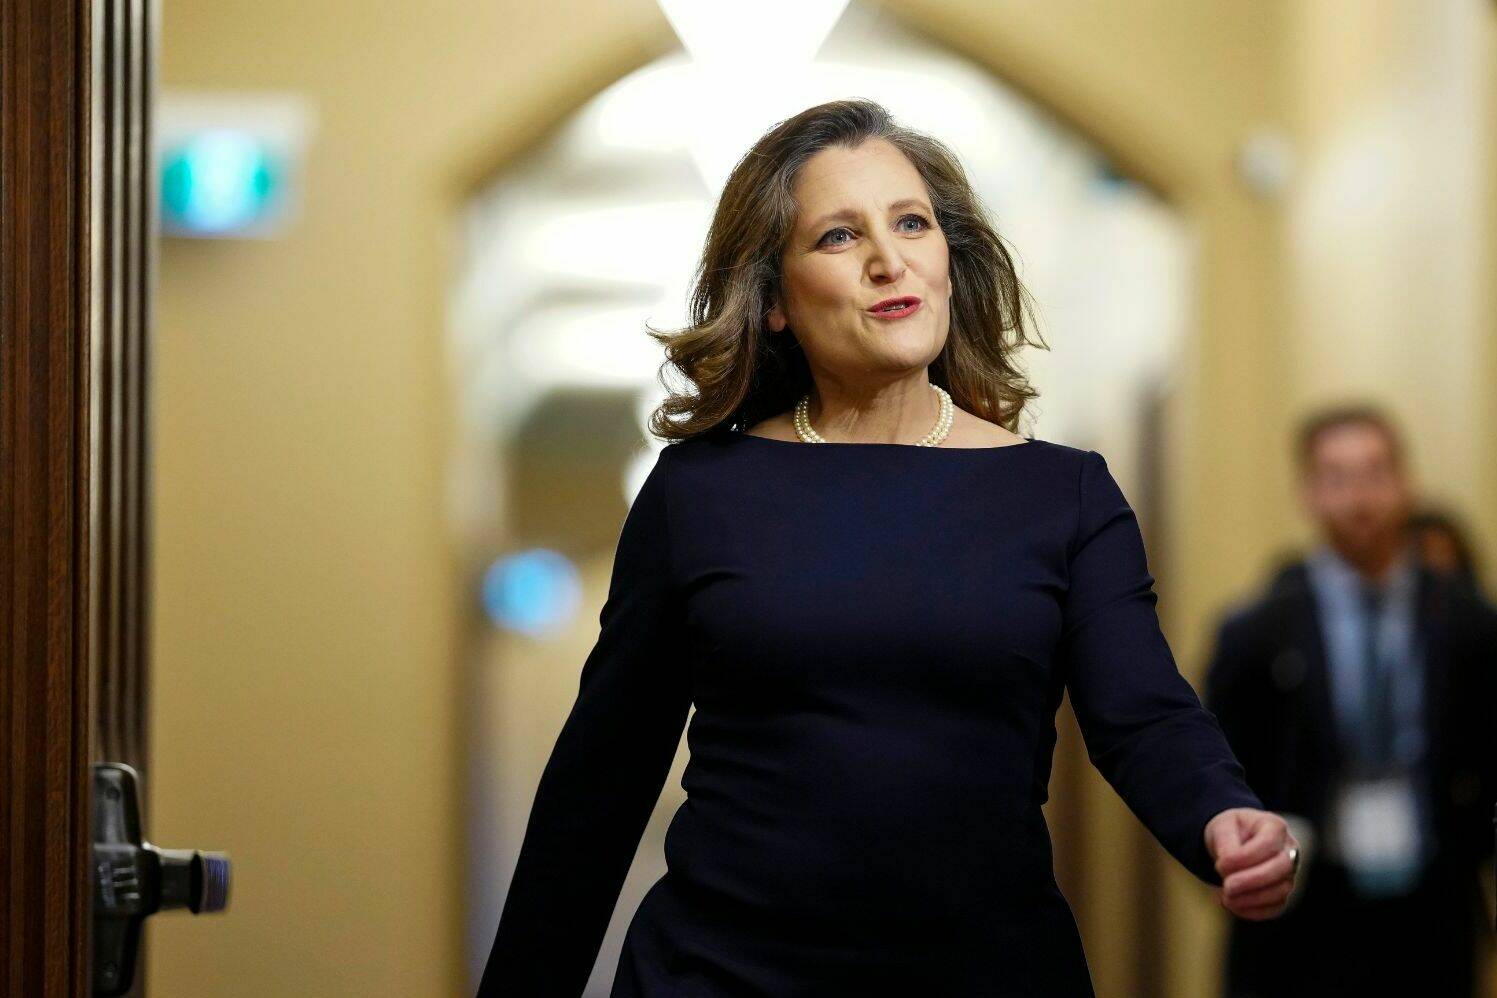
[1268, 684]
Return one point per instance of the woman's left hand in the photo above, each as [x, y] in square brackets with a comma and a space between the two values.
[1251, 850]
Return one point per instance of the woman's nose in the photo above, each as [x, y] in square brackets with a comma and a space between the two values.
[885, 262]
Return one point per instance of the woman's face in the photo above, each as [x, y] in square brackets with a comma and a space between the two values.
[864, 233]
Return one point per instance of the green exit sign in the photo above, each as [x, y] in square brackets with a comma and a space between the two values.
[230, 165]
[221, 182]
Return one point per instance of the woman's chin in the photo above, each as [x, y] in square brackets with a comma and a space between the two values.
[914, 349]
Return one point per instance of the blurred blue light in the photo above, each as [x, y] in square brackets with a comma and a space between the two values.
[219, 181]
[534, 592]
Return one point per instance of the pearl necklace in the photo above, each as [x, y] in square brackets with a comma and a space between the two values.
[932, 439]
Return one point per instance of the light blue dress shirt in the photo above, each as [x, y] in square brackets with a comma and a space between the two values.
[1338, 591]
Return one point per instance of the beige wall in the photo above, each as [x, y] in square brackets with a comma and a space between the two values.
[305, 705]
[306, 613]
[1489, 256]
[1388, 245]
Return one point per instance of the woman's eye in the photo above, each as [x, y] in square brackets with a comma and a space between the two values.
[827, 240]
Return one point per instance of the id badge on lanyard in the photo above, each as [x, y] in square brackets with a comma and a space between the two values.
[1378, 834]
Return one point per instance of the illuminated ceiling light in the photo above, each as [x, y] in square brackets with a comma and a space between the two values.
[760, 33]
[751, 62]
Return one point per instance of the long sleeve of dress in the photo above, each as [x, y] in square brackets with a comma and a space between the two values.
[1144, 727]
[1239, 695]
[605, 773]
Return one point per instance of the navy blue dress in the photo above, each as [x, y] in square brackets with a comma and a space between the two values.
[876, 638]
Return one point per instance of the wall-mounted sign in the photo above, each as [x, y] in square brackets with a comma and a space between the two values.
[231, 165]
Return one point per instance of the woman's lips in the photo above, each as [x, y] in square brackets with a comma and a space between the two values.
[911, 307]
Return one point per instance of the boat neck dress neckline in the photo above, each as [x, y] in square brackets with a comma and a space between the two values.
[849, 444]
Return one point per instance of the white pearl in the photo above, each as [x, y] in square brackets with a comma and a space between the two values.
[938, 433]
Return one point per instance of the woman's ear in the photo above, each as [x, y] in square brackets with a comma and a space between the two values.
[776, 319]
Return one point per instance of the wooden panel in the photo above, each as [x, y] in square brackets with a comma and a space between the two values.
[77, 238]
[44, 496]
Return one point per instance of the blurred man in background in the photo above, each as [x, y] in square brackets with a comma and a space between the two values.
[1357, 691]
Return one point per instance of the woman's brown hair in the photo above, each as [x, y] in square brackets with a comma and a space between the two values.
[739, 372]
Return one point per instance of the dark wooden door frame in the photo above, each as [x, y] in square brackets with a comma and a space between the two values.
[77, 241]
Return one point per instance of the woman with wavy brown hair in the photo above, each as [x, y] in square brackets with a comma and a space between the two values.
[875, 629]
